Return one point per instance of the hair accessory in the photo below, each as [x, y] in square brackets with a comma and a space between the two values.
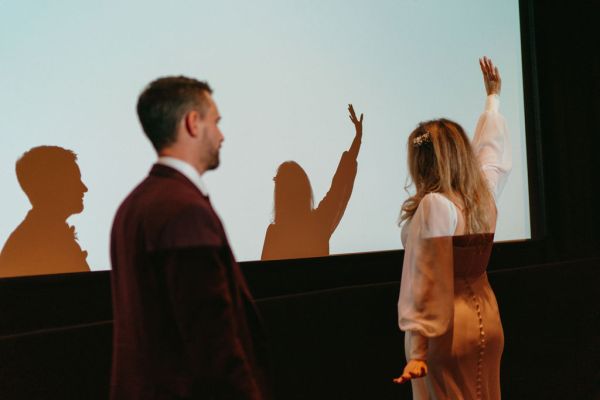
[424, 138]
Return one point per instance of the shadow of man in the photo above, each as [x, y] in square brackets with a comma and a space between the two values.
[299, 230]
[44, 243]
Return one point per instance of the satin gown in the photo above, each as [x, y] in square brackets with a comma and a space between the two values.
[446, 307]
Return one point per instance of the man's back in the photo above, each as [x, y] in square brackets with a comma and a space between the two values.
[182, 309]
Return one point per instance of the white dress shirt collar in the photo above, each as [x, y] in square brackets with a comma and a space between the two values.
[186, 170]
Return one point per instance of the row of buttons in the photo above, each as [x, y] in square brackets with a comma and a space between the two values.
[481, 342]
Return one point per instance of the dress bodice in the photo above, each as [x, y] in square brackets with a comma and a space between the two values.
[471, 254]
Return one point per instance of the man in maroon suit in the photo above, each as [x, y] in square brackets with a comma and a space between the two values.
[185, 326]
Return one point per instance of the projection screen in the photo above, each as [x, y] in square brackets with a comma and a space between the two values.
[283, 74]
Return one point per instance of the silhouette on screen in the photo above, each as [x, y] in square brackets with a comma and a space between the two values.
[299, 230]
[44, 243]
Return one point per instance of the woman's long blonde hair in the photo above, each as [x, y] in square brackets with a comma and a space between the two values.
[441, 160]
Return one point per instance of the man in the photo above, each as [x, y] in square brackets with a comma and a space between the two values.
[185, 326]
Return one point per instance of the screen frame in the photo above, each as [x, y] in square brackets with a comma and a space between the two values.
[537, 202]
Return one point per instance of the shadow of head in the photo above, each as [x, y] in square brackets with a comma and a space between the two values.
[293, 192]
[51, 179]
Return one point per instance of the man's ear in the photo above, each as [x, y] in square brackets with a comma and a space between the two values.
[193, 123]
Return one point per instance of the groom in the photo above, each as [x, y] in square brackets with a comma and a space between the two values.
[185, 325]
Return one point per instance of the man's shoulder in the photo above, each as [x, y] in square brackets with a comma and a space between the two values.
[165, 193]
[171, 213]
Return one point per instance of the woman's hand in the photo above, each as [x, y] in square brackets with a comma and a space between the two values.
[357, 122]
[491, 76]
[414, 369]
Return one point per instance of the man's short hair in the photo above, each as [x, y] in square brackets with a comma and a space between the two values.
[165, 101]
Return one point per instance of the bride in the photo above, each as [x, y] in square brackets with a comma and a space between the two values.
[447, 309]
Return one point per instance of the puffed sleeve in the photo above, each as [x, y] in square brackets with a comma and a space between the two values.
[425, 306]
[492, 146]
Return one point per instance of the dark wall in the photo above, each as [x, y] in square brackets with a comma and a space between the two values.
[340, 343]
[568, 69]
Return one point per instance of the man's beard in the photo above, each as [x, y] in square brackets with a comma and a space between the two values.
[214, 162]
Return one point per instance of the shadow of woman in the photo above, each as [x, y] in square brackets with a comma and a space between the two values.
[44, 243]
[299, 230]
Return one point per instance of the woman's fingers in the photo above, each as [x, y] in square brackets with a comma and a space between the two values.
[490, 66]
[402, 378]
[487, 68]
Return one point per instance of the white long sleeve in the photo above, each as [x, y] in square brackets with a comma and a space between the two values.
[425, 306]
[492, 146]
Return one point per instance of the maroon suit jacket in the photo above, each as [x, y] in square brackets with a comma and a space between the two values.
[185, 325]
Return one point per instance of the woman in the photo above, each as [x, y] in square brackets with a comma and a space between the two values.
[453, 333]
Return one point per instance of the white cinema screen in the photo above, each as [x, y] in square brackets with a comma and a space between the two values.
[283, 74]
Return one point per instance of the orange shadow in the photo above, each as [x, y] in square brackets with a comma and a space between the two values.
[44, 243]
[299, 230]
